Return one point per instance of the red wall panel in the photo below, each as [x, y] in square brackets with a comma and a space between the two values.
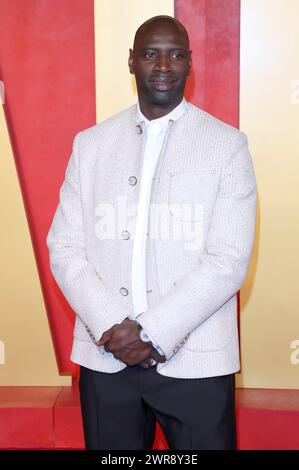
[47, 65]
[214, 30]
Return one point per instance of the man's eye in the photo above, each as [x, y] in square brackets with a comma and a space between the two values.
[150, 55]
[176, 55]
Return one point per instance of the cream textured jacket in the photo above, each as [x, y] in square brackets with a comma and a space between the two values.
[200, 238]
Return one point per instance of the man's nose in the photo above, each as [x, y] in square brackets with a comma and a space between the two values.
[163, 63]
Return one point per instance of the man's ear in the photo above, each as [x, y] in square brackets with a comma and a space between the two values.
[190, 62]
[131, 61]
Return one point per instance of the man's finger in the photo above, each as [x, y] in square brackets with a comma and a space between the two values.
[104, 339]
[105, 336]
[145, 365]
[132, 356]
[155, 355]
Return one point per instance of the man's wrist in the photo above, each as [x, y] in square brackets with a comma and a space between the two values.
[139, 326]
[142, 333]
[146, 337]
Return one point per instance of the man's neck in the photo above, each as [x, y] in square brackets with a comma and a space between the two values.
[151, 111]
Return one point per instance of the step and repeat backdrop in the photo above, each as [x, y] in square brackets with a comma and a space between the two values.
[63, 67]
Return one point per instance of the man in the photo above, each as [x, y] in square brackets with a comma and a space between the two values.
[155, 301]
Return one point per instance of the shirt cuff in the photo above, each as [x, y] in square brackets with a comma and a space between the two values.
[146, 334]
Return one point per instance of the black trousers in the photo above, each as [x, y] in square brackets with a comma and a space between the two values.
[120, 410]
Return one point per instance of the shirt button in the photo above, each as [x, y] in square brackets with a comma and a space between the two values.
[171, 173]
[123, 291]
[125, 235]
[132, 180]
[139, 129]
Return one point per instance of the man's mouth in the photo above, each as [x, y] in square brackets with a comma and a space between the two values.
[162, 84]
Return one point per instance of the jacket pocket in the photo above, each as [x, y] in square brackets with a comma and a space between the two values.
[192, 194]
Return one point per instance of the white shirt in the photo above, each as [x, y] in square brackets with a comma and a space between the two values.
[155, 131]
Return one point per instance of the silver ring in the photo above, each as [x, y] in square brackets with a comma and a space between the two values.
[152, 362]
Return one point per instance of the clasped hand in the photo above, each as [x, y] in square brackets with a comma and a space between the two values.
[123, 341]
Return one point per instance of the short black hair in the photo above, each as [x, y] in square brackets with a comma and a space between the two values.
[161, 18]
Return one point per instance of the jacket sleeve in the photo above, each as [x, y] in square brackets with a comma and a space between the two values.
[223, 266]
[81, 285]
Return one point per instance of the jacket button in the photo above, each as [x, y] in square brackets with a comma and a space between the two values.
[125, 235]
[139, 129]
[132, 180]
[123, 291]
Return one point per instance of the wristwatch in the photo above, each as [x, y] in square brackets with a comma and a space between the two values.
[142, 333]
[144, 337]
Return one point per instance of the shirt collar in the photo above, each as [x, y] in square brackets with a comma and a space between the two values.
[175, 114]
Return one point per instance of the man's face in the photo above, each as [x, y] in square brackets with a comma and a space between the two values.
[161, 63]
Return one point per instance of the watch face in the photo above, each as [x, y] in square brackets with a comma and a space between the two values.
[144, 336]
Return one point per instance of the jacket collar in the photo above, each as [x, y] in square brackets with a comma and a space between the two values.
[174, 115]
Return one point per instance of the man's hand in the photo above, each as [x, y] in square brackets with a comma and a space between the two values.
[154, 355]
[123, 341]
